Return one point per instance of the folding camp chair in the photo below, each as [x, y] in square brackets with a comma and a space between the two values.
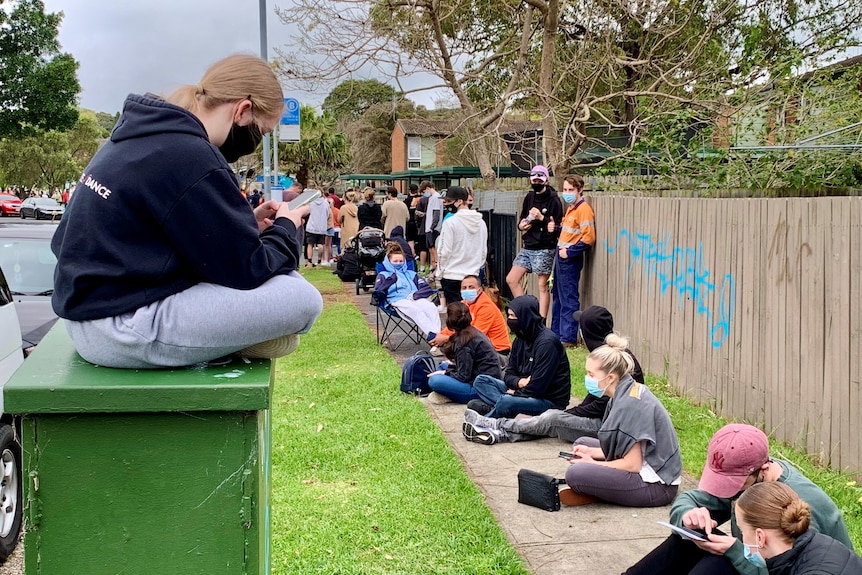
[394, 329]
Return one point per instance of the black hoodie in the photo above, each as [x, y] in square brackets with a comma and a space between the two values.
[157, 211]
[596, 323]
[537, 353]
[537, 236]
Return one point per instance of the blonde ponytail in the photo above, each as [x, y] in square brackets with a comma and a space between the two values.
[233, 79]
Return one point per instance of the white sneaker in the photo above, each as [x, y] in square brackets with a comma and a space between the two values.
[324, 263]
[272, 348]
[438, 398]
[435, 351]
[441, 308]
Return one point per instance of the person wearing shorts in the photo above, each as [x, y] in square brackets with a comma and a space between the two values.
[541, 207]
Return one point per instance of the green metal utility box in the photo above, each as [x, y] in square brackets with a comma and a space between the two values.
[142, 471]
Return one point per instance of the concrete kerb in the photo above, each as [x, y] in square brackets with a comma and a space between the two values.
[589, 540]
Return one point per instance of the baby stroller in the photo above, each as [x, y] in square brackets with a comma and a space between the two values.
[370, 246]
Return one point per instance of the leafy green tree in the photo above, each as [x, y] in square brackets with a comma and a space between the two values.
[365, 111]
[321, 153]
[627, 68]
[38, 83]
[107, 121]
[352, 98]
[51, 158]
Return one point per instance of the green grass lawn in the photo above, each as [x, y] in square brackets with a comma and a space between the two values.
[363, 480]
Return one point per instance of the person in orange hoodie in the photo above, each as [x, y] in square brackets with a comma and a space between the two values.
[577, 236]
[487, 317]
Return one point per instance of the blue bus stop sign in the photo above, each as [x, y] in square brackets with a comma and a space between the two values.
[288, 129]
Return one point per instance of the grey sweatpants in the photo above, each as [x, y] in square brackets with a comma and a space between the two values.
[199, 324]
[552, 423]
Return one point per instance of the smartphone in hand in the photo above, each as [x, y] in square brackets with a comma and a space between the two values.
[304, 198]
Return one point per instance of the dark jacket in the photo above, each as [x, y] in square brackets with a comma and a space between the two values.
[370, 215]
[596, 323]
[537, 353]
[157, 211]
[421, 206]
[476, 358]
[815, 554]
[549, 203]
[397, 235]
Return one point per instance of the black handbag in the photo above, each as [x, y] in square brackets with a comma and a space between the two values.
[539, 490]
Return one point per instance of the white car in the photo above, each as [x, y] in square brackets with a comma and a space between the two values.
[11, 356]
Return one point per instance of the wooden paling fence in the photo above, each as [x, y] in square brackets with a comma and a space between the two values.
[751, 306]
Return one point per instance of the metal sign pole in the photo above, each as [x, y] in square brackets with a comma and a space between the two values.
[267, 189]
[275, 156]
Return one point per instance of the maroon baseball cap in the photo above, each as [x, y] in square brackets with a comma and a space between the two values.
[735, 452]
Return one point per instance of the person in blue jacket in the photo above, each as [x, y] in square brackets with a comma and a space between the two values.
[404, 289]
[160, 260]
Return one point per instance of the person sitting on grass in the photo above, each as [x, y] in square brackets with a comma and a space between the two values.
[537, 377]
[472, 354]
[407, 292]
[774, 523]
[486, 317]
[736, 459]
[635, 461]
[585, 419]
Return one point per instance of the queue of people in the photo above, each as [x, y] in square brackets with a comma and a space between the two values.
[624, 447]
[129, 302]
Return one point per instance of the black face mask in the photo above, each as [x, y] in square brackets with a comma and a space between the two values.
[538, 187]
[514, 326]
[450, 208]
[241, 141]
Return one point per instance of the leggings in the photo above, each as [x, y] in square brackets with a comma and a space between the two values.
[615, 485]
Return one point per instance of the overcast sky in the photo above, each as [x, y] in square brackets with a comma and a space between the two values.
[139, 46]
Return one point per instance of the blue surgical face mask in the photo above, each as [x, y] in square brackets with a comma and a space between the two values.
[592, 385]
[569, 198]
[469, 295]
[755, 558]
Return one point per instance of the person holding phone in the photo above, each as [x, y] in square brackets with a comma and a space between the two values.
[160, 260]
[736, 459]
[635, 461]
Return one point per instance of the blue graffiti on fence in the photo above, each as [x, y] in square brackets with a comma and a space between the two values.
[682, 270]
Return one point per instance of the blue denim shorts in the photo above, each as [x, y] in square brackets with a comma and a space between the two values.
[540, 262]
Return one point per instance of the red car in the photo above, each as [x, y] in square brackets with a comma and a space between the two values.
[10, 205]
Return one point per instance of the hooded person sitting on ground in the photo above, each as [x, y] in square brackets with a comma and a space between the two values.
[537, 376]
[585, 419]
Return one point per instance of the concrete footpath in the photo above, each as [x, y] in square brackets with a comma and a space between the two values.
[590, 540]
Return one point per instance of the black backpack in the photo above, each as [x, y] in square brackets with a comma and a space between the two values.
[348, 268]
[414, 374]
